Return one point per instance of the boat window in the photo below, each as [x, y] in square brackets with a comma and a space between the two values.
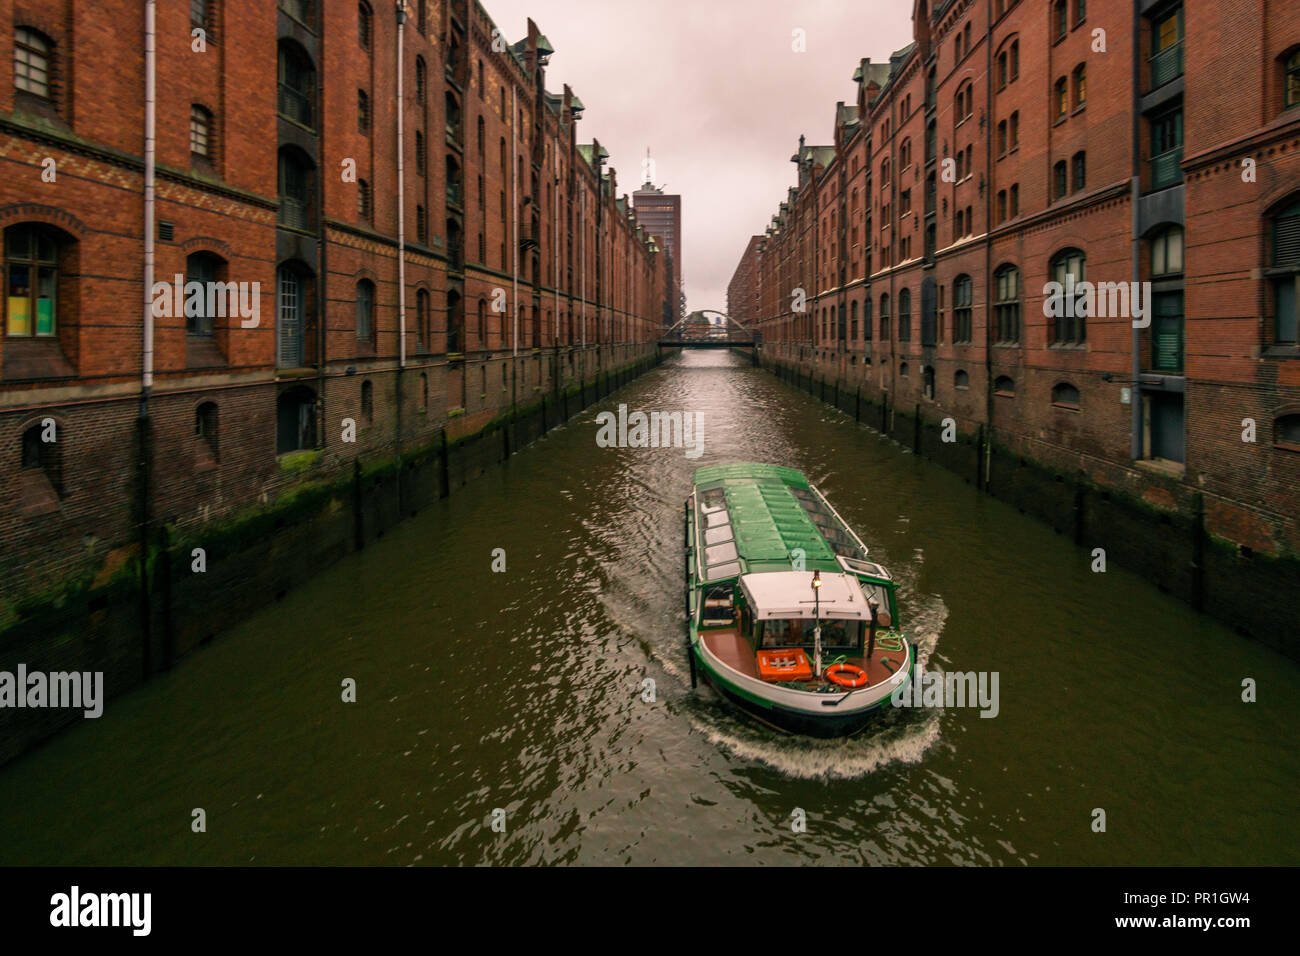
[724, 571]
[720, 552]
[718, 535]
[711, 501]
[718, 518]
[781, 632]
[841, 634]
[718, 607]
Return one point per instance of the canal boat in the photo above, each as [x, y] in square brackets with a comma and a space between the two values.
[787, 617]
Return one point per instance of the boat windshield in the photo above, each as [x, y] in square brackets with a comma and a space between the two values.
[782, 632]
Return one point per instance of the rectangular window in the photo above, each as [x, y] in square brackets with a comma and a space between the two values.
[1167, 149]
[1167, 332]
[1284, 311]
[1167, 49]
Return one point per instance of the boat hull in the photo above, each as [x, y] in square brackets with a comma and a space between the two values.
[830, 723]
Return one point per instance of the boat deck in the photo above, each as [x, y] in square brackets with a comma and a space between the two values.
[735, 652]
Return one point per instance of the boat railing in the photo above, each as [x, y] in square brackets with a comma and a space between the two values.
[843, 524]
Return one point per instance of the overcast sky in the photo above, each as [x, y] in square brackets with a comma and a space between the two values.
[716, 92]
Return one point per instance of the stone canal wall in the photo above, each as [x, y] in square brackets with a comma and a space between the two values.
[131, 618]
[1150, 524]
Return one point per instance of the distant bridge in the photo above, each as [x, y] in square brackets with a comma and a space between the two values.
[696, 331]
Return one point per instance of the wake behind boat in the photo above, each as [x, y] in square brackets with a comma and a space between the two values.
[787, 618]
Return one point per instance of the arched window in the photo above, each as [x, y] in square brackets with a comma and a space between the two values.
[205, 430]
[1080, 85]
[866, 319]
[200, 310]
[364, 24]
[1060, 180]
[884, 317]
[1291, 80]
[853, 321]
[421, 79]
[1078, 172]
[905, 315]
[962, 298]
[1003, 385]
[1066, 319]
[1286, 431]
[927, 381]
[423, 326]
[480, 142]
[960, 379]
[368, 402]
[297, 84]
[365, 310]
[1007, 304]
[1285, 272]
[1167, 252]
[1061, 98]
[482, 323]
[32, 54]
[1060, 20]
[1065, 395]
[42, 463]
[31, 254]
[295, 419]
[201, 132]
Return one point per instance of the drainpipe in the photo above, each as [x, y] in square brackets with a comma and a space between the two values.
[989, 289]
[143, 429]
[401, 205]
[1135, 389]
[401, 239]
[582, 266]
[514, 216]
[555, 247]
[150, 149]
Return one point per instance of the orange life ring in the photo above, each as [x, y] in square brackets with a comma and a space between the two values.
[846, 675]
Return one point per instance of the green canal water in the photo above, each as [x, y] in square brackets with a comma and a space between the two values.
[523, 691]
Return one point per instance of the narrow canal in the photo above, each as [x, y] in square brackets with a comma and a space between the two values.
[524, 690]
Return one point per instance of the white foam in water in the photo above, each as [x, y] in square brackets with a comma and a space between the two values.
[899, 736]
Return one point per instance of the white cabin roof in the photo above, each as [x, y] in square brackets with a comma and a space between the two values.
[789, 594]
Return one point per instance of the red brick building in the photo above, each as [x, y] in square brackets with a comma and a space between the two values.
[277, 172]
[1017, 144]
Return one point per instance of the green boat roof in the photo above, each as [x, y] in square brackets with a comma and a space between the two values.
[772, 511]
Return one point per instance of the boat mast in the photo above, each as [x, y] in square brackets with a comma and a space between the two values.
[817, 628]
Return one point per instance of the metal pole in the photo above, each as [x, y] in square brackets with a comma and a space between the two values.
[514, 218]
[150, 150]
[401, 196]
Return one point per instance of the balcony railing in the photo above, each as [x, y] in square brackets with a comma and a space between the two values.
[1167, 65]
[295, 105]
[1167, 168]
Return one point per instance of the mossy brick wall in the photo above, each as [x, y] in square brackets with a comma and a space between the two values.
[252, 559]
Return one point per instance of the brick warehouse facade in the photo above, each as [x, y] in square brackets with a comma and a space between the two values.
[527, 276]
[1013, 144]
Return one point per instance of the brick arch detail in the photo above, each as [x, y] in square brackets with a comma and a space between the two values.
[39, 212]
